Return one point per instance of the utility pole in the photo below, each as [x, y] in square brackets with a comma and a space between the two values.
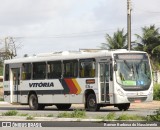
[129, 24]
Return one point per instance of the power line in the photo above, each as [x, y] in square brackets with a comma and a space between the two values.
[82, 34]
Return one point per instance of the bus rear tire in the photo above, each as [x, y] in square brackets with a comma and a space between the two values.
[63, 106]
[33, 103]
[123, 107]
[92, 103]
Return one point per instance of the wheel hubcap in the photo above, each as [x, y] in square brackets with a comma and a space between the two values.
[92, 102]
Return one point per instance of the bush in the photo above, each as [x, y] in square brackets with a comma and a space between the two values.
[155, 117]
[156, 92]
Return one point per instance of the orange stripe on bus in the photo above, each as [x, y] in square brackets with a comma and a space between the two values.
[77, 86]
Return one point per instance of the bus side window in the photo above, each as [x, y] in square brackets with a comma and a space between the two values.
[70, 69]
[39, 70]
[93, 69]
[111, 72]
[81, 70]
[26, 71]
[87, 68]
[54, 69]
[6, 78]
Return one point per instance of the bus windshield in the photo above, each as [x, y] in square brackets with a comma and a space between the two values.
[133, 73]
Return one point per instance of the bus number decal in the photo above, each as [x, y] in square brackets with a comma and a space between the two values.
[89, 86]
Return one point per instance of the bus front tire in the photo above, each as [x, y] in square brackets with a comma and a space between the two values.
[63, 106]
[92, 103]
[33, 103]
[123, 107]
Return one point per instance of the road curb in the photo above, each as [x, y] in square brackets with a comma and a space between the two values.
[5, 103]
[24, 118]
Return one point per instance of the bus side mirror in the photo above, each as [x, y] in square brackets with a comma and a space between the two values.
[115, 67]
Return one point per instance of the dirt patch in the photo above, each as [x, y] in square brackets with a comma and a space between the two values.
[146, 105]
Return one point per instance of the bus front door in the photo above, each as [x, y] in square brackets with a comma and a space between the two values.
[15, 84]
[104, 82]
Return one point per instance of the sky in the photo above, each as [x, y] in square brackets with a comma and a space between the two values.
[41, 26]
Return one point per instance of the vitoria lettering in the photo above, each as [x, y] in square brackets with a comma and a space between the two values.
[51, 84]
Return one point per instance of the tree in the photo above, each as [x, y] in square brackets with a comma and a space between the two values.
[117, 41]
[9, 50]
[150, 43]
[149, 40]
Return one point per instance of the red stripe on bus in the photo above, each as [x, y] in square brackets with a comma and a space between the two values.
[73, 89]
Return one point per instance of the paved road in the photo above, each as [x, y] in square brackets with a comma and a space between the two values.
[53, 110]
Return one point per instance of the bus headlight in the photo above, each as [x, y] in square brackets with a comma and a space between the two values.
[120, 92]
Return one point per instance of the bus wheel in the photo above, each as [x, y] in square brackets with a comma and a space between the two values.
[33, 103]
[63, 106]
[92, 103]
[123, 107]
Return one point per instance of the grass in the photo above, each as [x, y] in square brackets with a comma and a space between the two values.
[82, 114]
[10, 113]
[23, 114]
[30, 118]
[50, 115]
[78, 114]
[110, 116]
[1, 99]
[75, 114]
[64, 115]
[128, 117]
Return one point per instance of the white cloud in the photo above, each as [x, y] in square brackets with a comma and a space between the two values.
[72, 24]
[19, 12]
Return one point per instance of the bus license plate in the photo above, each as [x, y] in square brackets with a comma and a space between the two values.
[137, 101]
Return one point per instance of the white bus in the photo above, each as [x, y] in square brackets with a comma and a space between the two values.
[95, 79]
